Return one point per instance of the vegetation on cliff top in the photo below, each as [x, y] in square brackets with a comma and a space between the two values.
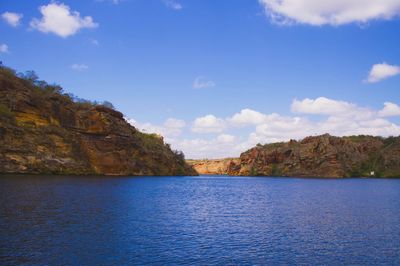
[45, 130]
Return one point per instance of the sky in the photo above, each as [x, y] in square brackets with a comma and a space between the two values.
[217, 77]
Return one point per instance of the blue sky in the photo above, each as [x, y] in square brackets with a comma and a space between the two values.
[185, 68]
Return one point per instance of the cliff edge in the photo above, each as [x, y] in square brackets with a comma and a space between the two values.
[44, 131]
[316, 156]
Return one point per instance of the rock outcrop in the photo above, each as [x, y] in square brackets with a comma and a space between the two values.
[317, 156]
[43, 131]
[214, 167]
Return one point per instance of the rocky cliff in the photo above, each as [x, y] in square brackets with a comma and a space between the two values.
[43, 130]
[317, 156]
[214, 167]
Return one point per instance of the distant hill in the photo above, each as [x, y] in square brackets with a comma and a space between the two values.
[215, 166]
[317, 156]
[45, 131]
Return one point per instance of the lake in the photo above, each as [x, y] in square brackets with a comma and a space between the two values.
[198, 220]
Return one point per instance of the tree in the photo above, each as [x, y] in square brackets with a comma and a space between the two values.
[30, 75]
[108, 105]
[180, 155]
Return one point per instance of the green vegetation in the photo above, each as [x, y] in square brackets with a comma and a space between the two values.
[389, 141]
[6, 112]
[253, 171]
[275, 145]
[358, 139]
[275, 170]
[44, 90]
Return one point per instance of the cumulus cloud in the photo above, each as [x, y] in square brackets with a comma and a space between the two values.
[201, 83]
[173, 4]
[358, 120]
[79, 67]
[225, 139]
[58, 18]
[247, 116]
[146, 127]
[329, 12]
[382, 71]
[322, 106]
[282, 128]
[3, 48]
[389, 109]
[343, 118]
[222, 146]
[13, 19]
[208, 124]
[172, 127]
[269, 128]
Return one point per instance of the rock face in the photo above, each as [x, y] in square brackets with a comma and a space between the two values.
[214, 167]
[43, 131]
[323, 156]
[319, 156]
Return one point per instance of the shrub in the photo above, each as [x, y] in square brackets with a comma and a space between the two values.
[180, 155]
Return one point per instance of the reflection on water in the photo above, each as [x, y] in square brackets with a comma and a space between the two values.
[198, 220]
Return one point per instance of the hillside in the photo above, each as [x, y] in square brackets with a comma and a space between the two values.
[318, 156]
[44, 131]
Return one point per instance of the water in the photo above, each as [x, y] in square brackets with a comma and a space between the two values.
[198, 220]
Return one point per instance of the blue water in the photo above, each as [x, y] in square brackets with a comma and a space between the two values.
[198, 220]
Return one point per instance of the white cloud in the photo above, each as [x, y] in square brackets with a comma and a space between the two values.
[343, 119]
[340, 118]
[330, 12]
[171, 128]
[282, 128]
[11, 18]
[226, 138]
[201, 83]
[79, 67]
[219, 147]
[333, 108]
[208, 124]
[389, 109]
[60, 20]
[3, 48]
[146, 127]
[382, 71]
[247, 116]
[173, 4]
[322, 106]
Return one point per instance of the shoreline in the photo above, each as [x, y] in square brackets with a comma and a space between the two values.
[200, 175]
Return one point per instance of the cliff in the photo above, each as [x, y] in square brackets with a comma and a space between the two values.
[214, 167]
[43, 131]
[317, 156]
